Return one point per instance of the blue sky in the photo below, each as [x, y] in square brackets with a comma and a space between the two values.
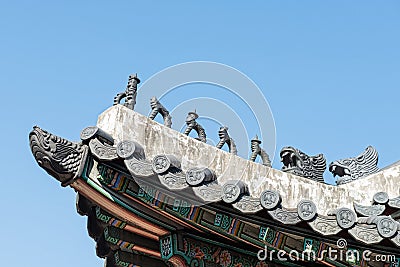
[330, 71]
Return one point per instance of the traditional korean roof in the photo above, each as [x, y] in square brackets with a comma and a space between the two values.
[157, 197]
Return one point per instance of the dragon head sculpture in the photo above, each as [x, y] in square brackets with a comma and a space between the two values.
[297, 162]
[59, 157]
[355, 168]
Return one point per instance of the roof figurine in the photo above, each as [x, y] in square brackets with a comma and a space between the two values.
[192, 124]
[256, 150]
[156, 108]
[130, 93]
[226, 139]
[299, 163]
[351, 169]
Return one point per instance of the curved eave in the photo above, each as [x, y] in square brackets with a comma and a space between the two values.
[156, 139]
[161, 206]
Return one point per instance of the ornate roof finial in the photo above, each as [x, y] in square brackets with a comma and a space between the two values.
[299, 163]
[257, 150]
[226, 139]
[355, 168]
[130, 93]
[157, 107]
[191, 124]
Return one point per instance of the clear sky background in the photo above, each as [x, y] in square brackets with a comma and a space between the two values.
[330, 71]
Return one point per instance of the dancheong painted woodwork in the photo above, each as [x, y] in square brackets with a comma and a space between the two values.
[153, 197]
